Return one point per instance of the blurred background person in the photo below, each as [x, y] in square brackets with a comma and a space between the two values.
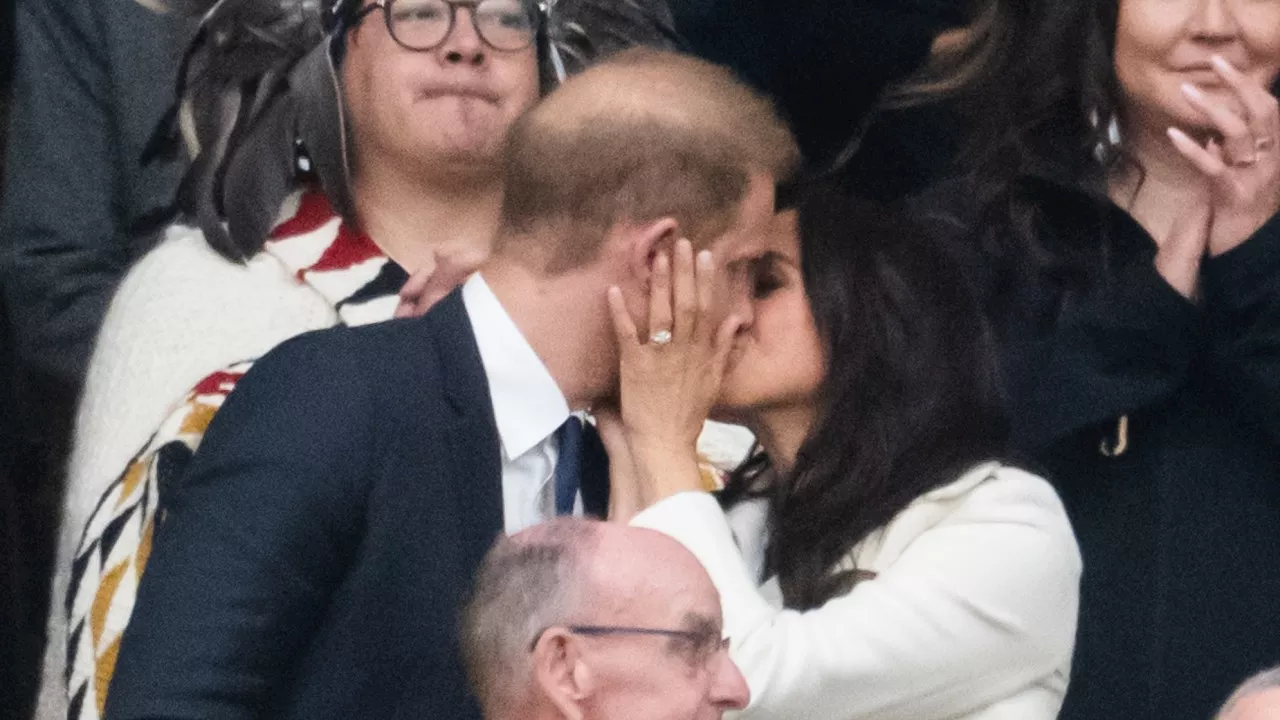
[90, 80]
[877, 559]
[1118, 218]
[17, 647]
[1258, 698]
[581, 619]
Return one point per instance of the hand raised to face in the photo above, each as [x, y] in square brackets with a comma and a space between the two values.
[669, 380]
[1242, 170]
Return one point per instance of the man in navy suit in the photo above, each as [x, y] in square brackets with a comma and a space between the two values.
[312, 563]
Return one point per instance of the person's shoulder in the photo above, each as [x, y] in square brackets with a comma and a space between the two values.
[999, 493]
[391, 352]
[997, 482]
[182, 286]
[181, 253]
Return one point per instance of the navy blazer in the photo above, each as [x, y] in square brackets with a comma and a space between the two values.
[314, 559]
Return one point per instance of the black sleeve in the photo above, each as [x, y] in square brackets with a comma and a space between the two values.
[1103, 356]
[1072, 358]
[253, 543]
[1242, 296]
[62, 250]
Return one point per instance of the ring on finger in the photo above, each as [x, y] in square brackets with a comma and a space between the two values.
[661, 337]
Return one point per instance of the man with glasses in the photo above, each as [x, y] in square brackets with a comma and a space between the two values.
[576, 619]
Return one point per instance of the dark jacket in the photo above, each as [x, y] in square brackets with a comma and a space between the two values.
[93, 77]
[313, 562]
[1179, 524]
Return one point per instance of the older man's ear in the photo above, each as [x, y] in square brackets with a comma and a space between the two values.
[561, 673]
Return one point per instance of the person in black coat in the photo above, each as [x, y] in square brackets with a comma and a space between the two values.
[90, 79]
[1120, 218]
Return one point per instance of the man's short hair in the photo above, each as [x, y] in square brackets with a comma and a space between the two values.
[1263, 681]
[524, 586]
[642, 136]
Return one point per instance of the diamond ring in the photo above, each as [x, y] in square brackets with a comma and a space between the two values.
[662, 337]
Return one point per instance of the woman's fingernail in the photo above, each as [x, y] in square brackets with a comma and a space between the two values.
[1192, 91]
[1221, 62]
[704, 258]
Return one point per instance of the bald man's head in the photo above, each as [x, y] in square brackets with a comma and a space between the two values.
[1257, 699]
[642, 136]
[576, 573]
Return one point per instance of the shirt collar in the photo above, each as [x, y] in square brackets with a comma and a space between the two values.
[528, 406]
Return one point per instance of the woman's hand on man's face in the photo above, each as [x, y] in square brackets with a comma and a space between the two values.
[1243, 169]
[669, 380]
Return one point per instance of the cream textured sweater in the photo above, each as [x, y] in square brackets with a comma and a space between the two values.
[181, 313]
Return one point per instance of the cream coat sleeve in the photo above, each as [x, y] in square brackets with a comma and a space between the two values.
[976, 608]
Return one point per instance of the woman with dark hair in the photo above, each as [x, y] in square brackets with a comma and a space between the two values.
[886, 563]
[1119, 219]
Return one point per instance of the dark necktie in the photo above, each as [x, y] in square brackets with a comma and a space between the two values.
[569, 465]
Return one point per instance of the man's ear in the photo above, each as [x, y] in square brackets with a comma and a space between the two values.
[647, 241]
[560, 672]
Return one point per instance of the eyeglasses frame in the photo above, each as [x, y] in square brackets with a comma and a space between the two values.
[693, 636]
[453, 5]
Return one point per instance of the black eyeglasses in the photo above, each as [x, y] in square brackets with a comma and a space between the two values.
[702, 644]
[424, 25]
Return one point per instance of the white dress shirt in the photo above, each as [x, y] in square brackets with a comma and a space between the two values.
[528, 408]
[971, 615]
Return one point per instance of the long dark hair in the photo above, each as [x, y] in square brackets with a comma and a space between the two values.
[910, 400]
[1042, 101]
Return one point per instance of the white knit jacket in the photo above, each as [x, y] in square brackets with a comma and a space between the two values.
[181, 313]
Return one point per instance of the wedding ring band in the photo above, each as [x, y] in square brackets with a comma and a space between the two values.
[1265, 143]
[662, 337]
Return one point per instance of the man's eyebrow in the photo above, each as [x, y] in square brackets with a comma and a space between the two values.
[703, 624]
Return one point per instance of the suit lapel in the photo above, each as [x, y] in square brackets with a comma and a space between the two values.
[472, 435]
[475, 448]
